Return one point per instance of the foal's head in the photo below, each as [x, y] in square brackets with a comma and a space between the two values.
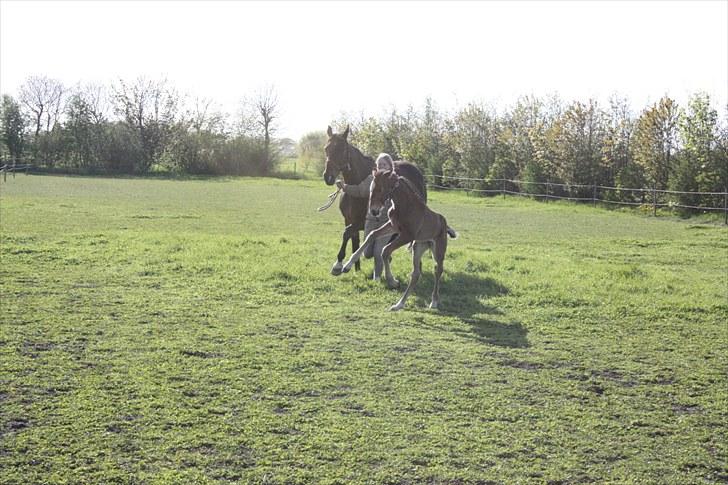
[384, 183]
[337, 157]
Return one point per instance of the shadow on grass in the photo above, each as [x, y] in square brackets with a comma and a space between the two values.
[464, 296]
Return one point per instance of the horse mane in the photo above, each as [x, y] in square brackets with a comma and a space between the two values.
[356, 158]
[412, 174]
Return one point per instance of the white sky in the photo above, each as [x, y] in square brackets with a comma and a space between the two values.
[326, 57]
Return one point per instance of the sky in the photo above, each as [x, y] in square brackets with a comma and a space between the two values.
[329, 58]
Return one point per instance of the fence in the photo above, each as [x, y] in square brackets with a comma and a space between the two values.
[593, 193]
[12, 168]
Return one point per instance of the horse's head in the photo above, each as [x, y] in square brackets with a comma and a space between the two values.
[337, 155]
[384, 183]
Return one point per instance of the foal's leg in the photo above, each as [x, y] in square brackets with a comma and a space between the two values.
[336, 268]
[397, 242]
[354, 247]
[385, 230]
[438, 254]
[417, 250]
[378, 261]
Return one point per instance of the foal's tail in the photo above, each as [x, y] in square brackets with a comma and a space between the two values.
[451, 232]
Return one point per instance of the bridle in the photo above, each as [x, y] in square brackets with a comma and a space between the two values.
[347, 167]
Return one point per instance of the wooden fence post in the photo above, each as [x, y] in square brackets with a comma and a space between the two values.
[725, 205]
[594, 195]
[503, 189]
[654, 200]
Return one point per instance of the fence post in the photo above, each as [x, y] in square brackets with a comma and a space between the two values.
[594, 195]
[503, 189]
[725, 205]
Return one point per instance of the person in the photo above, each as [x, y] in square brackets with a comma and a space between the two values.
[361, 190]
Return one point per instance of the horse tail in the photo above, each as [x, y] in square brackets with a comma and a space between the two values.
[451, 232]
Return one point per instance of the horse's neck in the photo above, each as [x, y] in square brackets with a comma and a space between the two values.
[405, 197]
[358, 168]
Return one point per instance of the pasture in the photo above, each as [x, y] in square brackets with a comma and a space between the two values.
[161, 331]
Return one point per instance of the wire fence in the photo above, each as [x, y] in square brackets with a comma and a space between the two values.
[13, 168]
[636, 197]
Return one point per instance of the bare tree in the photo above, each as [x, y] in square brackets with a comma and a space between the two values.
[203, 116]
[259, 115]
[43, 98]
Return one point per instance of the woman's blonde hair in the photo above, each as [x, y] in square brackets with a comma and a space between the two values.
[385, 162]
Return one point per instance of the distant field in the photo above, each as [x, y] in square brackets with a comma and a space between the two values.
[159, 331]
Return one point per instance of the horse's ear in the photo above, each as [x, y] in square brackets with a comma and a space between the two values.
[346, 132]
[330, 132]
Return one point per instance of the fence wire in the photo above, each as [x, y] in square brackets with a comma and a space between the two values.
[645, 193]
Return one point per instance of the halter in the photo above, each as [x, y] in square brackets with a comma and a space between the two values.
[388, 197]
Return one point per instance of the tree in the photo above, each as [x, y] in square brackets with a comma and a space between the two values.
[700, 168]
[311, 150]
[86, 112]
[578, 136]
[472, 142]
[150, 108]
[42, 97]
[655, 141]
[259, 118]
[13, 127]
[616, 147]
[426, 147]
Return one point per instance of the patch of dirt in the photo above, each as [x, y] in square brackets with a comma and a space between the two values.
[198, 353]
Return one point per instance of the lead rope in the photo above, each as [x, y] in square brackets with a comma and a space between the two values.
[332, 198]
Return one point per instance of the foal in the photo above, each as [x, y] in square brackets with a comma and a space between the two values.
[411, 220]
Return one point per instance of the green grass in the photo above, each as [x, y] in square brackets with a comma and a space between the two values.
[162, 331]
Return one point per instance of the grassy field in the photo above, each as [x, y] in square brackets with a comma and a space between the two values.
[160, 331]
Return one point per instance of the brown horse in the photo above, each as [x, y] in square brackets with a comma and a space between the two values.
[412, 220]
[341, 157]
[355, 167]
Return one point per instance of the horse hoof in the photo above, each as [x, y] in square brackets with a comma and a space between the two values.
[395, 308]
[393, 285]
[434, 305]
[346, 269]
[336, 269]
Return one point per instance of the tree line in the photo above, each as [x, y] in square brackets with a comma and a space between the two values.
[145, 124]
[548, 141]
[135, 127]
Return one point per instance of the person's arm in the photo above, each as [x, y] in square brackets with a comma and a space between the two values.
[360, 190]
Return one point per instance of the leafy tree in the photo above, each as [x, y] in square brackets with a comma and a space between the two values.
[700, 168]
[473, 142]
[13, 127]
[150, 108]
[578, 137]
[310, 150]
[655, 141]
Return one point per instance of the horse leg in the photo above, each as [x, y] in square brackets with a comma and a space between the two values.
[385, 230]
[417, 250]
[398, 242]
[438, 254]
[378, 261]
[355, 247]
[336, 268]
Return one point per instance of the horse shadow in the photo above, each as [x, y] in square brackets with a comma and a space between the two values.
[465, 296]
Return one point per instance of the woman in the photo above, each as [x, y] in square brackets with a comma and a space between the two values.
[361, 190]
